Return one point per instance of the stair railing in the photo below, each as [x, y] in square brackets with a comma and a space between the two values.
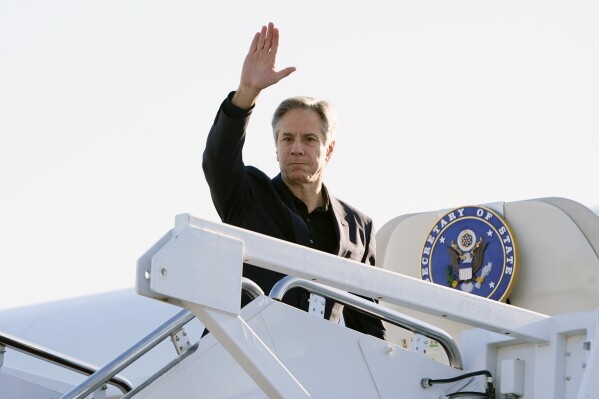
[373, 309]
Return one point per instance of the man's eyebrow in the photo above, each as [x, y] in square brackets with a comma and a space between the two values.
[301, 134]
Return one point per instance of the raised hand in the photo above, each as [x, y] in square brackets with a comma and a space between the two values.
[259, 70]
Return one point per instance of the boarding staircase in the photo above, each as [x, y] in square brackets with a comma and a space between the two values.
[543, 344]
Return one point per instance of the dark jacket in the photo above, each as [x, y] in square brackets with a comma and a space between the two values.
[246, 197]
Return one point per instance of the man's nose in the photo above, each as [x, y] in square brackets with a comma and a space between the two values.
[297, 147]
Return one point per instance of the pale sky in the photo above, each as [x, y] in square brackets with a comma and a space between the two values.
[105, 107]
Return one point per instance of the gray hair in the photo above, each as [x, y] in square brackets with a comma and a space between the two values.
[324, 110]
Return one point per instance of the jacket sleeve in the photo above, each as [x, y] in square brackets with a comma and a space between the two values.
[222, 160]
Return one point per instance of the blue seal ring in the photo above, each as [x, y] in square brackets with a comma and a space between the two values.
[473, 250]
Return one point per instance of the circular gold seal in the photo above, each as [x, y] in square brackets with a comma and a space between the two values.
[473, 250]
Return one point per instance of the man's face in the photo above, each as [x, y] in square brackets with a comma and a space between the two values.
[301, 149]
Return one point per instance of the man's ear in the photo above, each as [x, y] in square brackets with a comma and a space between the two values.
[330, 149]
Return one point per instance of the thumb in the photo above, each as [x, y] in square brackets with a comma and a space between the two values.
[283, 73]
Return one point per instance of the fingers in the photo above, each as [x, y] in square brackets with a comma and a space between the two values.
[274, 39]
[266, 38]
[254, 44]
[262, 38]
[270, 32]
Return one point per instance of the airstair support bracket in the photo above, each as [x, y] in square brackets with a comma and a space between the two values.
[246, 347]
[195, 265]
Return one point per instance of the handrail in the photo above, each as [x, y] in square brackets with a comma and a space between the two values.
[251, 288]
[100, 377]
[59, 359]
[374, 309]
[97, 379]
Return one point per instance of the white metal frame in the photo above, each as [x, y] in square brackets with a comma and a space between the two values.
[198, 264]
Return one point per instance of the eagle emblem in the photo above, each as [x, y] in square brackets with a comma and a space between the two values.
[471, 249]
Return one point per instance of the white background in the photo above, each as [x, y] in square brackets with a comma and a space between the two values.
[105, 107]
